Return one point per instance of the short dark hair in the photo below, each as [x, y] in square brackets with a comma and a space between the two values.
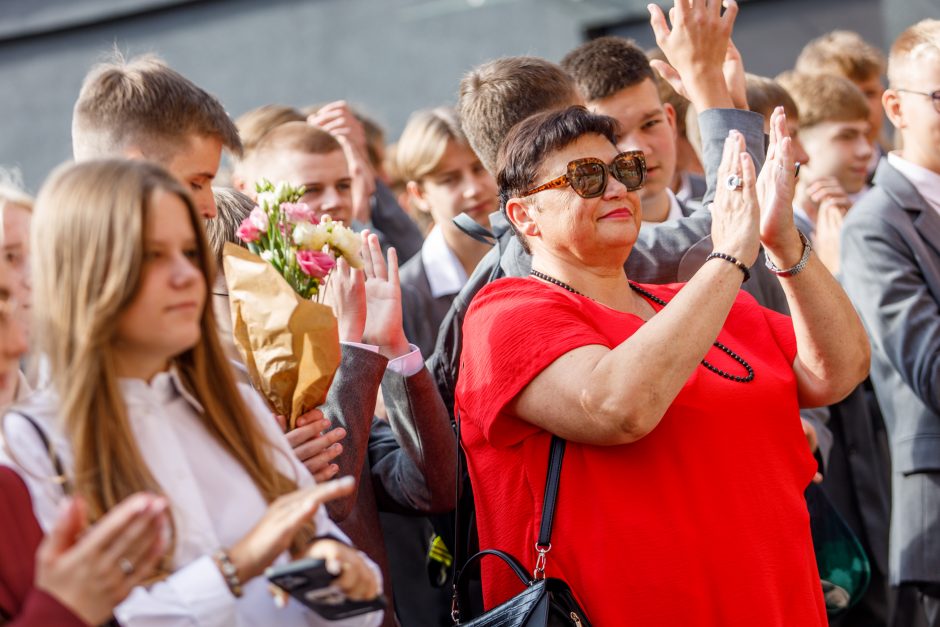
[501, 93]
[528, 144]
[603, 66]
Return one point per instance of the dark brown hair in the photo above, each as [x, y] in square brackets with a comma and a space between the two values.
[532, 140]
[497, 95]
[603, 66]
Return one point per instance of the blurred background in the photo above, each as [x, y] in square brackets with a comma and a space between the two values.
[387, 57]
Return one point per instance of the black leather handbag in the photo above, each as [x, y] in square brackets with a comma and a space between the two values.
[545, 602]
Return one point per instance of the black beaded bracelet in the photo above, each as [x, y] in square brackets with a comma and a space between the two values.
[743, 268]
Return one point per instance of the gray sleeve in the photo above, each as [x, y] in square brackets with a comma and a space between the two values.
[350, 404]
[819, 417]
[883, 276]
[415, 470]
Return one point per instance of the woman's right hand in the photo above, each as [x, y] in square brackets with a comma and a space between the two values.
[281, 522]
[83, 570]
[736, 213]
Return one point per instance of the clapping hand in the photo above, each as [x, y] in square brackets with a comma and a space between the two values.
[315, 444]
[735, 212]
[92, 570]
[775, 188]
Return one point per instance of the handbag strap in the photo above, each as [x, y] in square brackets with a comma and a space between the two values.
[57, 465]
[542, 546]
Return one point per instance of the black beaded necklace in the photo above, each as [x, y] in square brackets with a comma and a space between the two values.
[659, 301]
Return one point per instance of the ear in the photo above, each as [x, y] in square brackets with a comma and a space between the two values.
[521, 214]
[133, 152]
[416, 194]
[891, 102]
[238, 182]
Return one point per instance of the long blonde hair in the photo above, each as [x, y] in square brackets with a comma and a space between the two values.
[88, 253]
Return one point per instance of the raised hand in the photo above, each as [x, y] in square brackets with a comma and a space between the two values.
[346, 294]
[736, 212]
[281, 522]
[91, 571]
[698, 45]
[337, 119]
[775, 188]
[383, 297]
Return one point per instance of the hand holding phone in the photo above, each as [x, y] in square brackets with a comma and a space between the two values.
[310, 582]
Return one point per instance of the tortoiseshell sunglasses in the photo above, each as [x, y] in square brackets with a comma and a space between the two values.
[588, 176]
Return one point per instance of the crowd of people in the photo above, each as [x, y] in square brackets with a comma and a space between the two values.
[714, 288]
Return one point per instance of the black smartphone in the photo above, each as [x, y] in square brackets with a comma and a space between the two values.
[309, 582]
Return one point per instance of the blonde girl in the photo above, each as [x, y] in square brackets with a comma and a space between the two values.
[142, 399]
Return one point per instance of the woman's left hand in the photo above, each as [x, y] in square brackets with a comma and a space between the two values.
[354, 577]
[776, 185]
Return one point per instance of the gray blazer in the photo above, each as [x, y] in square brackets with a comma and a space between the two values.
[405, 465]
[891, 271]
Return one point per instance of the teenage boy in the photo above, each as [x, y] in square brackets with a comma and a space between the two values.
[614, 78]
[891, 270]
[834, 125]
[844, 53]
[143, 109]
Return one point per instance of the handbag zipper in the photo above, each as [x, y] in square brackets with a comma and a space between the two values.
[576, 619]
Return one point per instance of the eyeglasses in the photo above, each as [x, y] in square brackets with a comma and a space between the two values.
[935, 96]
[588, 176]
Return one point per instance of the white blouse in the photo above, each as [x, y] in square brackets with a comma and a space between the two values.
[213, 501]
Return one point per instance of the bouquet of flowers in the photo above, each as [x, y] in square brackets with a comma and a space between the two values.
[286, 337]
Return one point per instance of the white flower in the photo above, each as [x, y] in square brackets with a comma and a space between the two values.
[347, 243]
[267, 255]
[283, 192]
[309, 236]
[267, 201]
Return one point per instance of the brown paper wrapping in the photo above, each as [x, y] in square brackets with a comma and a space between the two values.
[290, 345]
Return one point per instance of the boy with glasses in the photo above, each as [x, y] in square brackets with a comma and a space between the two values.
[891, 270]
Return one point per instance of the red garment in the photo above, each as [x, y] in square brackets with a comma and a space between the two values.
[702, 522]
[20, 536]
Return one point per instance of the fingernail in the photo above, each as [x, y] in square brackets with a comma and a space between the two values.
[344, 482]
[334, 567]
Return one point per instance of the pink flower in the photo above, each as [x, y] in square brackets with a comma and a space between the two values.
[298, 212]
[248, 232]
[315, 263]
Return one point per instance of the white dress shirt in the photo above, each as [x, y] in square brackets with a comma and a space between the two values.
[213, 501]
[445, 273]
[927, 182]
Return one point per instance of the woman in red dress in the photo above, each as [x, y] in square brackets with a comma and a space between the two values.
[681, 497]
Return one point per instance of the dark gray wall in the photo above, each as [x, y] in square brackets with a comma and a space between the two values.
[389, 56]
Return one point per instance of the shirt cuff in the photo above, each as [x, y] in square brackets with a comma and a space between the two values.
[407, 365]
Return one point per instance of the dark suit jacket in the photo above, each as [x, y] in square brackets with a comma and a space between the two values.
[407, 465]
[422, 313]
[891, 270]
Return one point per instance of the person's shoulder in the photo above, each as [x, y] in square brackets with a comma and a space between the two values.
[412, 273]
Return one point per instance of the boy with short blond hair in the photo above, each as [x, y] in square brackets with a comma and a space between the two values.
[891, 270]
[844, 53]
[142, 108]
[834, 132]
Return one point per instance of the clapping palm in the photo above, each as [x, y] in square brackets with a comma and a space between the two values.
[776, 184]
[383, 297]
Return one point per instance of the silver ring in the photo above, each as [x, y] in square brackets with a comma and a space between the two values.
[126, 566]
[734, 182]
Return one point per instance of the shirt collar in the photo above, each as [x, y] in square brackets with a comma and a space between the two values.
[445, 273]
[163, 389]
[925, 181]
